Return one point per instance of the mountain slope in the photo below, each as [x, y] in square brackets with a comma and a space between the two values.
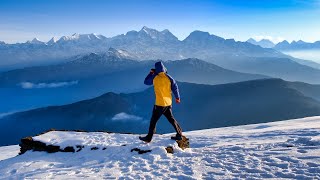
[203, 106]
[283, 68]
[73, 81]
[309, 90]
[98, 65]
[201, 72]
[279, 150]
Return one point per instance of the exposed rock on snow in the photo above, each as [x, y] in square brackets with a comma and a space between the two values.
[140, 151]
[29, 144]
[67, 145]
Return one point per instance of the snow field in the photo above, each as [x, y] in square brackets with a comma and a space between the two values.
[286, 149]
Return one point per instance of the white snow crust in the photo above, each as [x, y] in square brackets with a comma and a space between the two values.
[7, 152]
[285, 149]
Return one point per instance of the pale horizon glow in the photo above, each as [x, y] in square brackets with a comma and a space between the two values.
[313, 55]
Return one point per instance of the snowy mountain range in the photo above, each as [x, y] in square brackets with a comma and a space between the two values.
[285, 45]
[144, 44]
[278, 150]
[148, 44]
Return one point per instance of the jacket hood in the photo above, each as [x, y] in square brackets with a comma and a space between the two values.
[159, 66]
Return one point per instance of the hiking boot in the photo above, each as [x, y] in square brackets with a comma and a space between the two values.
[146, 139]
[177, 137]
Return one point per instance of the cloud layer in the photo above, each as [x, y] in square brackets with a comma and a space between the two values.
[30, 85]
[125, 117]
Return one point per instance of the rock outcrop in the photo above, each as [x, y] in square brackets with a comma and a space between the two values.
[29, 143]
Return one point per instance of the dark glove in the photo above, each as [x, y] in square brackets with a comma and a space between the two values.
[152, 71]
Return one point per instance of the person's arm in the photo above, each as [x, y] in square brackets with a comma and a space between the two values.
[149, 79]
[174, 88]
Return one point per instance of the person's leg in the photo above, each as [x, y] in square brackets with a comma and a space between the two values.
[168, 114]
[156, 114]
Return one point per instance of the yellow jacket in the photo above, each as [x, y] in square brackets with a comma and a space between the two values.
[164, 84]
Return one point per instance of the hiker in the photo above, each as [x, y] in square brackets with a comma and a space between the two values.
[163, 85]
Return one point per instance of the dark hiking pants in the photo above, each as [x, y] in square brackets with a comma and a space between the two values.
[157, 113]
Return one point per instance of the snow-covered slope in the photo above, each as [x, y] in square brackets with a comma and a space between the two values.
[7, 152]
[286, 149]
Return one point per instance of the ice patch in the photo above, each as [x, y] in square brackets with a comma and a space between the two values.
[126, 117]
[30, 85]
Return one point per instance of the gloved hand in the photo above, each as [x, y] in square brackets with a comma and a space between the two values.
[178, 100]
[152, 71]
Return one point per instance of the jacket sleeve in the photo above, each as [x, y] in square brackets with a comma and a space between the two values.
[174, 87]
[149, 79]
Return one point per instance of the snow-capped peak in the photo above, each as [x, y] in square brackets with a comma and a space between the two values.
[146, 29]
[119, 53]
[52, 40]
[82, 37]
[35, 41]
[159, 35]
[150, 32]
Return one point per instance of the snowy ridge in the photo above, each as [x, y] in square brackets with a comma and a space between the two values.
[35, 41]
[285, 149]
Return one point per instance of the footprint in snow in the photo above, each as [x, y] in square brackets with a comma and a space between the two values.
[302, 151]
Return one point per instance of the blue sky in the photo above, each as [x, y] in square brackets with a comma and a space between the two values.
[22, 20]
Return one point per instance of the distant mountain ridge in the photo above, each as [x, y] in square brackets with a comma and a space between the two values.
[265, 43]
[202, 107]
[297, 45]
[144, 44]
[285, 45]
[150, 44]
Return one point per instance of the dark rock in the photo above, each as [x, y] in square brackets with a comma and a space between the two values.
[104, 148]
[68, 149]
[94, 148]
[169, 149]
[26, 145]
[80, 147]
[29, 144]
[140, 151]
[52, 149]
